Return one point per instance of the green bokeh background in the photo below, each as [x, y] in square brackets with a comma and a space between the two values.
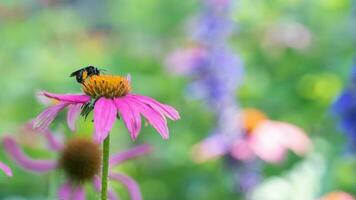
[42, 44]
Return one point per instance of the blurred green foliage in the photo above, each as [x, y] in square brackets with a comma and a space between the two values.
[42, 43]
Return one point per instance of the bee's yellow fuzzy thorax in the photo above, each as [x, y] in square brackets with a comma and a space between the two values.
[108, 86]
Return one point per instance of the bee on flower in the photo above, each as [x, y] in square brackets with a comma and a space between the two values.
[108, 96]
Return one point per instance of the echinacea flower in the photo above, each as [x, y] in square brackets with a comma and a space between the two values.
[80, 159]
[5, 169]
[109, 96]
[337, 195]
[267, 139]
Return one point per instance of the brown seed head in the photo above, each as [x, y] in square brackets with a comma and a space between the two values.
[81, 159]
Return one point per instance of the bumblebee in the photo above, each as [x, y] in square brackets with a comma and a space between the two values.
[84, 73]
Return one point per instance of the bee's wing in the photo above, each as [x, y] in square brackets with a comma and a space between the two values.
[102, 71]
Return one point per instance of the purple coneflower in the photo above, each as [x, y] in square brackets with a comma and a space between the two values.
[80, 159]
[109, 96]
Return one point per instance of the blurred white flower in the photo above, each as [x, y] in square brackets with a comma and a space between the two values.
[301, 183]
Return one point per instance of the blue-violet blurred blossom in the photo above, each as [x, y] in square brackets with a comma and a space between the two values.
[345, 108]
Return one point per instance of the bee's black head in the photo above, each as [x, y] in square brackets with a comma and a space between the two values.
[84, 73]
[92, 70]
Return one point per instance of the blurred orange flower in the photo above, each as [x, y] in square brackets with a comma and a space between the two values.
[263, 138]
[337, 195]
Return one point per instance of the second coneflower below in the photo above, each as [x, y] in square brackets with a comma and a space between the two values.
[80, 159]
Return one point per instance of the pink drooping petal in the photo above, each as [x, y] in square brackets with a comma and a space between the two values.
[69, 98]
[105, 113]
[97, 185]
[17, 154]
[43, 99]
[112, 195]
[293, 138]
[5, 169]
[130, 115]
[44, 119]
[155, 118]
[210, 148]
[65, 191]
[28, 126]
[72, 115]
[164, 109]
[129, 183]
[78, 193]
[241, 150]
[267, 143]
[130, 154]
[69, 191]
[52, 142]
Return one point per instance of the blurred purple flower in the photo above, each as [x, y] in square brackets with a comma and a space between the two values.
[249, 174]
[216, 73]
[215, 69]
[219, 76]
[214, 25]
[345, 108]
[81, 160]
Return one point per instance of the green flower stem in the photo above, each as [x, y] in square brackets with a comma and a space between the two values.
[105, 168]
